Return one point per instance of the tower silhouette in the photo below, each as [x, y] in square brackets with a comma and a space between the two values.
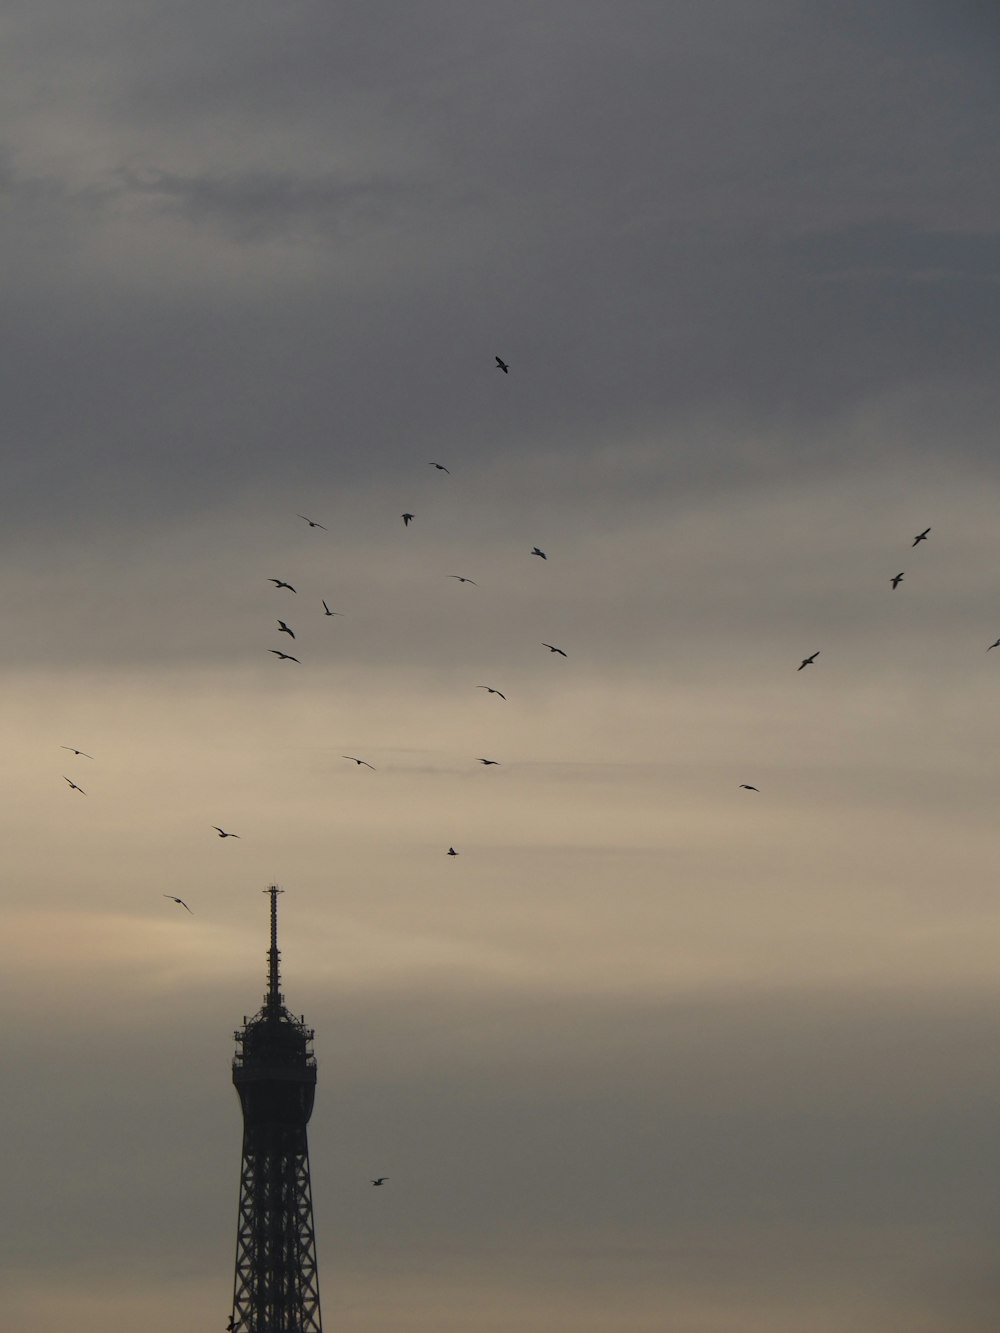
[277, 1287]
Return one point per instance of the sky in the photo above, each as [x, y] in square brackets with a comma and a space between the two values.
[652, 1051]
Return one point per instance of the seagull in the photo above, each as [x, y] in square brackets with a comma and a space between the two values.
[897, 580]
[440, 467]
[73, 785]
[178, 900]
[285, 657]
[808, 661]
[328, 611]
[359, 761]
[451, 852]
[381, 1180]
[222, 832]
[537, 551]
[921, 536]
[280, 583]
[83, 752]
[503, 365]
[994, 645]
[406, 519]
[747, 787]
[553, 649]
[311, 523]
[283, 629]
[491, 690]
[462, 579]
[488, 761]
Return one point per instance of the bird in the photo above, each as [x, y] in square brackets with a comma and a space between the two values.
[451, 852]
[994, 645]
[462, 579]
[808, 661]
[897, 580]
[747, 787]
[553, 649]
[285, 657]
[280, 583]
[328, 611]
[283, 629]
[311, 523]
[178, 900]
[488, 761]
[359, 761]
[381, 1180]
[535, 550]
[503, 365]
[491, 690]
[75, 751]
[921, 536]
[440, 467]
[406, 519]
[222, 832]
[73, 785]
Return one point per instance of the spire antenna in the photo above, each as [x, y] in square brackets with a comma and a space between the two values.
[274, 998]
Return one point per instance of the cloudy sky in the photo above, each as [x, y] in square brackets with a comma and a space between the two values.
[653, 1052]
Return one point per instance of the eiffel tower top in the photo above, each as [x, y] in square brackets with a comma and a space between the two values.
[274, 1036]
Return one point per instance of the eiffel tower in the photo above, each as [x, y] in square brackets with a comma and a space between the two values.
[277, 1286]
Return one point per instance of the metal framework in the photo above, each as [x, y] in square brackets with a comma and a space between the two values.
[277, 1287]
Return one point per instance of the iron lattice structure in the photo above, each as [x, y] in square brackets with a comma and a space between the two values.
[277, 1285]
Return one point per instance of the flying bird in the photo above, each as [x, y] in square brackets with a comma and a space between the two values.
[747, 787]
[329, 612]
[488, 761]
[462, 579]
[178, 900]
[897, 580]
[311, 523]
[440, 467]
[808, 661]
[406, 519]
[503, 365]
[994, 645]
[285, 657]
[359, 761]
[222, 832]
[83, 752]
[451, 852]
[283, 629]
[73, 785]
[280, 583]
[535, 550]
[553, 649]
[381, 1180]
[921, 536]
[491, 690]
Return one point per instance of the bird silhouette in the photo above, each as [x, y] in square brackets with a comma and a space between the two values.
[503, 365]
[897, 580]
[535, 550]
[406, 519]
[489, 761]
[747, 787]
[280, 583]
[222, 832]
[83, 752]
[178, 900]
[285, 657]
[73, 785]
[921, 536]
[491, 690]
[359, 761]
[553, 649]
[311, 523]
[380, 1181]
[283, 629]
[808, 661]
[440, 467]
[462, 579]
[451, 852]
[994, 645]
